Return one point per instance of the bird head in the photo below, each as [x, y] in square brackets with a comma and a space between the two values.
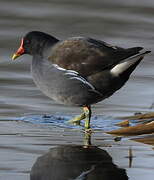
[33, 43]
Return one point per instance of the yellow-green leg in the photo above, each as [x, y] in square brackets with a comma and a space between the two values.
[87, 111]
[76, 120]
[87, 139]
[86, 115]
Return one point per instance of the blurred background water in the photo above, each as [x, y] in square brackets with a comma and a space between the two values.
[123, 23]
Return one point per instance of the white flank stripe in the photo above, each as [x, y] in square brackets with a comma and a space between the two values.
[74, 75]
[82, 80]
[71, 73]
[58, 67]
[62, 69]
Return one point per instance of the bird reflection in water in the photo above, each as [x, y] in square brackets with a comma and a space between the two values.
[77, 162]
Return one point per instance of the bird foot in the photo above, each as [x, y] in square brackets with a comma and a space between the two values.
[77, 123]
[88, 131]
[76, 120]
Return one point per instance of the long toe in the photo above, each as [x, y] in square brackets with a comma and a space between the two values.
[76, 120]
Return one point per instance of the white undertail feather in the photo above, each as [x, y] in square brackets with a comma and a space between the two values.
[125, 64]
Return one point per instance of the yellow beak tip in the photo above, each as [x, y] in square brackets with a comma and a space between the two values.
[15, 56]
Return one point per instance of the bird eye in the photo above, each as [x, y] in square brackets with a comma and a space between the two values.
[27, 41]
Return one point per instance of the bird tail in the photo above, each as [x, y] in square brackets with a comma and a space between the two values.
[127, 66]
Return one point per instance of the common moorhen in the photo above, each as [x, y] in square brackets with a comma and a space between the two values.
[78, 71]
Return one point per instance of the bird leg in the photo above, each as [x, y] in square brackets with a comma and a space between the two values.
[87, 111]
[76, 120]
[87, 140]
[85, 115]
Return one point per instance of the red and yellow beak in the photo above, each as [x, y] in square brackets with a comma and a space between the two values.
[19, 52]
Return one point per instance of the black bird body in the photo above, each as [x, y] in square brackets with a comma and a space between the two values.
[78, 71]
[62, 85]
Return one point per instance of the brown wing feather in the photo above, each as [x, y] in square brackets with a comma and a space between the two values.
[87, 56]
[78, 55]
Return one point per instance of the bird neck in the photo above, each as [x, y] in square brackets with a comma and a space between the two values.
[41, 47]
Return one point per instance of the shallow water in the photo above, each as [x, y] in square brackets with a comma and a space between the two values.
[21, 144]
[119, 22]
